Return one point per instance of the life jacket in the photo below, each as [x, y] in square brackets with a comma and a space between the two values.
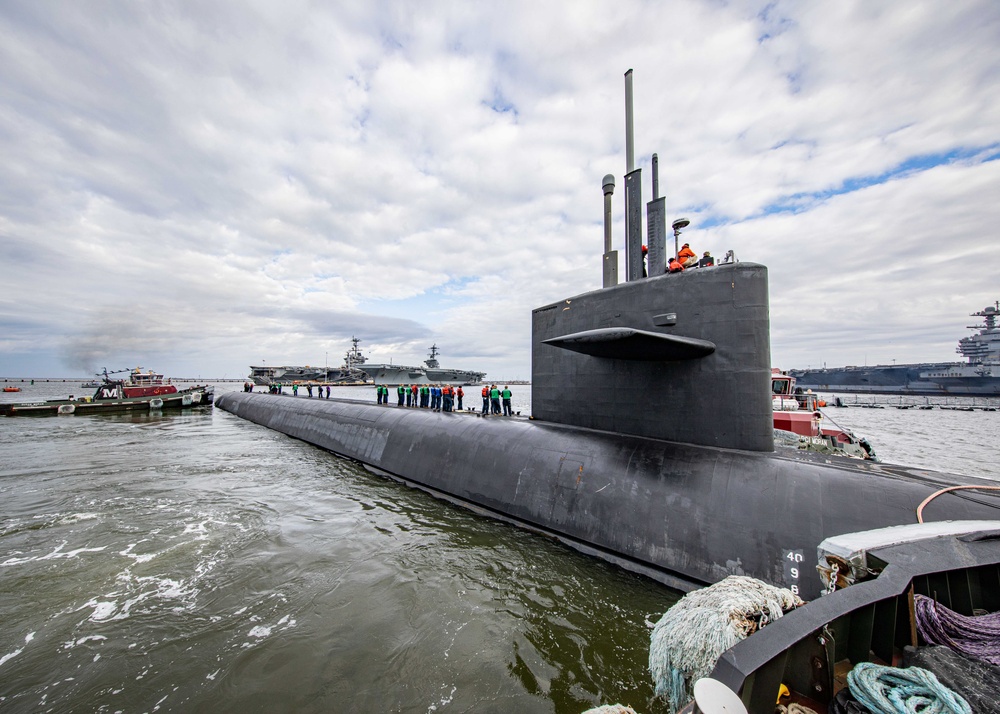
[505, 394]
[486, 391]
[494, 394]
[459, 392]
[414, 389]
[675, 266]
[401, 390]
[685, 252]
[447, 391]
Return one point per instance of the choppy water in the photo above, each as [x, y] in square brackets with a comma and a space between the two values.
[198, 562]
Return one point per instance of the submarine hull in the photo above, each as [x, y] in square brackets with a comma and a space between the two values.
[683, 514]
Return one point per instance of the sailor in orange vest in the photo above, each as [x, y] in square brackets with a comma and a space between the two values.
[486, 400]
[675, 266]
[446, 393]
[686, 256]
[459, 393]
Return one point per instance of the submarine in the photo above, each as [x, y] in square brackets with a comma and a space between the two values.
[650, 442]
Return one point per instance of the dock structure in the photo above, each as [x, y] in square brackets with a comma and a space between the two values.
[954, 404]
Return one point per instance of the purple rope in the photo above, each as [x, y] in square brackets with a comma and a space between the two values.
[976, 637]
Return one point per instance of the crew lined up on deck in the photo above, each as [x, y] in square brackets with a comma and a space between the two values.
[442, 398]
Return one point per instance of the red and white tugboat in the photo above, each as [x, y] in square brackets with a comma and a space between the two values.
[799, 422]
[141, 391]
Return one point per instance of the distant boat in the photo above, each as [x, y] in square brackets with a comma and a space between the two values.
[979, 376]
[141, 391]
[798, 422]
[12, 389]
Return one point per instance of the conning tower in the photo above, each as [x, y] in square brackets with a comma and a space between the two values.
[682, 356]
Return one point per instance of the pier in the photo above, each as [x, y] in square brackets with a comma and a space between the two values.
[955, 404]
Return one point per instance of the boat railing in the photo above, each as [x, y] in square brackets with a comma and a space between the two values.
[810, 649]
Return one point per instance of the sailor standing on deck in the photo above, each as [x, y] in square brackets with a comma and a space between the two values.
[459, 393]
[494, 399]
[486, 400]
[400, 395]
[505, 395]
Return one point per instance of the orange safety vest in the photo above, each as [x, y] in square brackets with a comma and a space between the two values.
[447, 391]
[486, 391]
[685, 253]
[675, 266]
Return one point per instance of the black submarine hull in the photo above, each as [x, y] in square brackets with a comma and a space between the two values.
[683, 514]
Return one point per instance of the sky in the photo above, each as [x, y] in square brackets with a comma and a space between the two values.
[197, 187]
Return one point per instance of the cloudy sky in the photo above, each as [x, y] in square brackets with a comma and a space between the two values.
[197, 187]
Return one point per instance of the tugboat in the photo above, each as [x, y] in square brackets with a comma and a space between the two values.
[798, 422]
[141, 391]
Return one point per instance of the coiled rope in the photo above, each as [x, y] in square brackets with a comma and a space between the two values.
[976, 637]
[703, 624]
[888, 690]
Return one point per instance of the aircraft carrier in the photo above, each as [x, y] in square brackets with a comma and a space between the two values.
[979, 376]
[431, 373]
[348, 373]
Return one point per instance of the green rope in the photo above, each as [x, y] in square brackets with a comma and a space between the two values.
[888, 690]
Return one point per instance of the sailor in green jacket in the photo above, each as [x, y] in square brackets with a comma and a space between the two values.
[400, 395]
[494, 399]
[505, 395]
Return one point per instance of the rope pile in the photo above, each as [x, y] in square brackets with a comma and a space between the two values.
[976, 637]
[793, 708]
[694, 633]
[890, 690]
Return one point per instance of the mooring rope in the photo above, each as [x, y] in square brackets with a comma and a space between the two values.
[920, 508]
[888, 690]
[794, 708]
[976, 637]
[693, 634]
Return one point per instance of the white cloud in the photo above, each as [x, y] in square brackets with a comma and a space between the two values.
[280, 178]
